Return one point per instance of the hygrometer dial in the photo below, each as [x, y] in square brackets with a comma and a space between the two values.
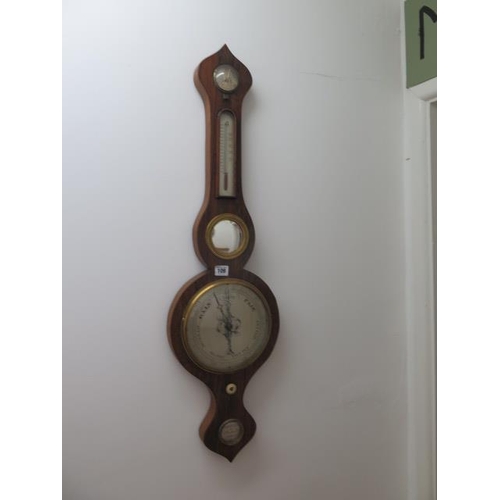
[226, 78]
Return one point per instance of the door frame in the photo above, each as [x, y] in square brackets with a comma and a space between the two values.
[420, 292]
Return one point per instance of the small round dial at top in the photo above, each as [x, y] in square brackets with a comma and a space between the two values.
[226, 78]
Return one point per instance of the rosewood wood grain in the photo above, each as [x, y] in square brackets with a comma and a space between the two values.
[223, 406]
[215, 102]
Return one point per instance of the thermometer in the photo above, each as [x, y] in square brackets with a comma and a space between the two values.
[226, 188]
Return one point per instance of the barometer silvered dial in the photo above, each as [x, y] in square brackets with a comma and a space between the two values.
[227, 325]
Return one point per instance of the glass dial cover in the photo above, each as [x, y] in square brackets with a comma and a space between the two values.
[226, 78]
[226, 326]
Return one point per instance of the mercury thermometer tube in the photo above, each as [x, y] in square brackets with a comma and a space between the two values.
[227, 148]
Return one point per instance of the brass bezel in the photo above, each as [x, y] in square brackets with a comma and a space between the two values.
[203, 291]
[244, 240]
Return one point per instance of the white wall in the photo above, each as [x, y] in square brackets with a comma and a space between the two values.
[322, 157]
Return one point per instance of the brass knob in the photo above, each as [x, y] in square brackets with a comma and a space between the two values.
[231, 389]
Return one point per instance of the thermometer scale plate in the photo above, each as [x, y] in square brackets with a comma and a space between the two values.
[226, 171]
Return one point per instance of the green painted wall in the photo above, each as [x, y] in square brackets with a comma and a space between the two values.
[421, 54]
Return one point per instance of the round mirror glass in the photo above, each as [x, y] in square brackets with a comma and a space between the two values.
[227, 237]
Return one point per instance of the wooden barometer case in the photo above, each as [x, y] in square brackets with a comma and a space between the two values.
[223, 323]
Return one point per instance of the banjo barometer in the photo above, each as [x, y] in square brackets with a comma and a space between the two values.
[223, 323]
